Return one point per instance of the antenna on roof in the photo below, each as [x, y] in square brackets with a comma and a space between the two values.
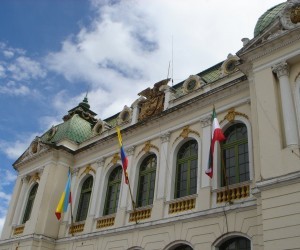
[168, 70]
[172, 63]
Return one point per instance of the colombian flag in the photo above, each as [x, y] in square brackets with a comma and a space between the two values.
[65, 199]
[123, 155]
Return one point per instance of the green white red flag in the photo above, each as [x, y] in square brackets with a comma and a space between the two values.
[216, 135]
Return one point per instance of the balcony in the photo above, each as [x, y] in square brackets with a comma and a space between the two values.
[104, 222]
[182, 204]
[18, 230]
[140, 214]
[76, 228]
[231, 193]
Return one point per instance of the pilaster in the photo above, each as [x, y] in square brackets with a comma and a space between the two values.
[288, 109]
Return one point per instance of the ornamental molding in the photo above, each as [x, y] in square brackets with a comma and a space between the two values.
[229, 65]
[35, 178]
[130, 150]
[125, 115]
[87, 170]
[266, 50]
[192, 83]
[281, 69]
[206, 121]
[185, 133]
[290, 17]
[165, 137]
[154, 100]
[230, 116]
[147, 148]
[36, 149]
[100, 162]
[116, 157]
[100, 127]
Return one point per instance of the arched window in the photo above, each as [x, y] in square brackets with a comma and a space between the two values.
[84, 200]
[146, 181]
[237, 243]
[113, 190]
[30, 202]
[186, 169]
[235, 157]
[182, 247]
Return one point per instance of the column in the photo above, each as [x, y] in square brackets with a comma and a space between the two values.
[163, 167]
[288, 109]
[206, 140]
[99, 187]
[162, 173]
[18, 212]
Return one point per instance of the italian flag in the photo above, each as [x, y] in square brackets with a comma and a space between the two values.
[216, 135]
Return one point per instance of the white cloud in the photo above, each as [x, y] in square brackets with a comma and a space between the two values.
[2, 220]
[8, 53]
[14, 149]
[5, 196]
[128, 46]
[15, 89]
[2, 71]
[24, 68]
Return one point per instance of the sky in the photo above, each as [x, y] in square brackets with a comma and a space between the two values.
[53, 52]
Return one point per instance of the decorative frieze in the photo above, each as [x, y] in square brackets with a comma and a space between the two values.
[147, 147]
[185, 133]
[87, 170]
[231, 114]
[116, 157]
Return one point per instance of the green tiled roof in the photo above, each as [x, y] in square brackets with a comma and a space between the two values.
[267, 18]
[209, 75]
[212, 74]
[75, 129]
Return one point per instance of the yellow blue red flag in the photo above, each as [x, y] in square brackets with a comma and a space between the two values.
[65, 199]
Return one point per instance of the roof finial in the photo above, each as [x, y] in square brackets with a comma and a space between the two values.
[85, 101]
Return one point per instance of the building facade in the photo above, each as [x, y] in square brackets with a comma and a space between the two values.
[251, 202]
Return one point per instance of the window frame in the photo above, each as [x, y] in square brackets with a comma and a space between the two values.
[111, 183]
[79, 215]
[26, 214]
[237, 238]
[187, 160]
[235, 146]
[148, 173]
[217, 155]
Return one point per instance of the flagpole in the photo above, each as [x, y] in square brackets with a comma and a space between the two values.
[132, 201]
[124, 166]
[71, 204]
[225, 178]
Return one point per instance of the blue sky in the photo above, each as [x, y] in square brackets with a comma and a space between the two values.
[53, 51]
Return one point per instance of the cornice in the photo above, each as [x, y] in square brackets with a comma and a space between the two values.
[214, 212]
[269, 46]
[33, 237]
[276, 182]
